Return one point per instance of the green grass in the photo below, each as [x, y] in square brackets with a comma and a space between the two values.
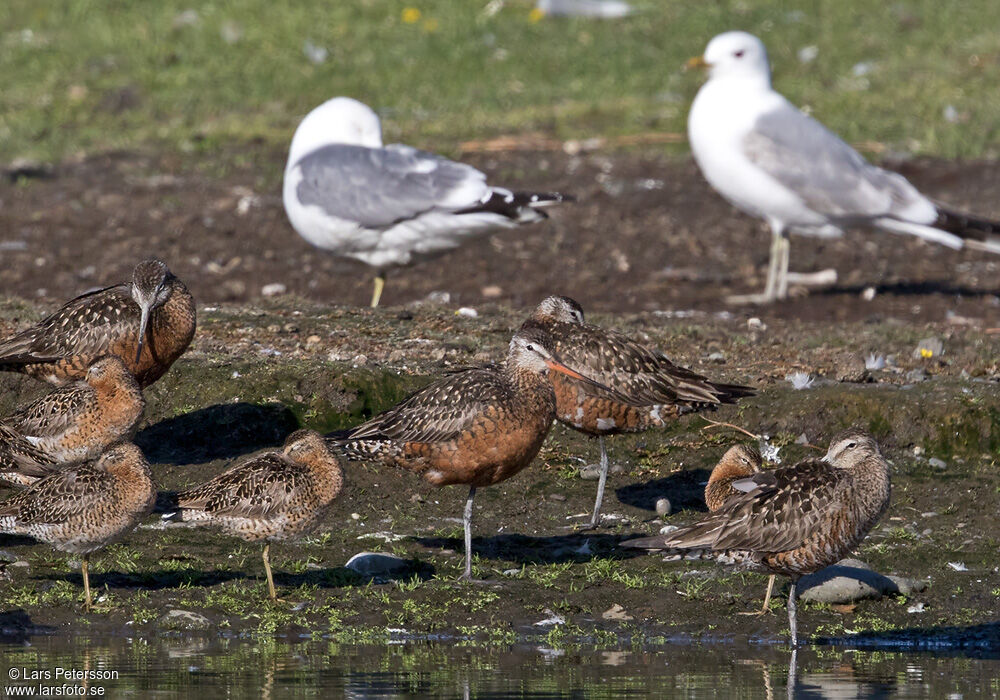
[92, 75]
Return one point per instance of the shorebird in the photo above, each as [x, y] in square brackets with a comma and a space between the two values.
[651, 390]
[476, 426]
[739, 462]
[273, 496]
[148, 323]
[21, 463]
[82, 509]
[772, 161]
[79, 420]
[386, 206]
[794, 520]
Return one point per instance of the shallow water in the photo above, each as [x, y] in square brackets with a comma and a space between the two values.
[181, 667]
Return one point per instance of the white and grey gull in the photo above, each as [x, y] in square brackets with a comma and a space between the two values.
[389, 205]
[771, 160]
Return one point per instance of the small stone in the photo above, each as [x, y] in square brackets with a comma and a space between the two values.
[510, 572]
[491, 291]
[313, 339]
[663, 507]
[184, 620]
[928, 348]
[377, 564]
[918, 450]
[557, 497]
[274, 328]
[590, 472]
[355, 516]
[717, 357]
[438, 297]
[417, 498]
[290, 328]
[937, 463]
[916, 608]
[359, 360]
[316, 54]
[850, 580]
[802, 439]
[755, 324]
[868, 294]
[667, 529]
[916, 375]
[273, 289]
[467, 312]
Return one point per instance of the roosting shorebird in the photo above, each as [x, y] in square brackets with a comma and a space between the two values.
[386, 206]
[82, 509]
[476, 426]
[81, 419]
[147, 323]
[739, 462]
[21, 463]
[272, 497]
[774, 162]
[794, 520]
[657, 390]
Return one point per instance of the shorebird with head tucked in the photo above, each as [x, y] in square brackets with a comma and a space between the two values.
[650, 389]
[21, 463]
[79, 420]
[793, 520]
[271, 497]
[769, 159]
[388, 206]
[739, 462]
[82, 509]
[147, 323]
[476, 426]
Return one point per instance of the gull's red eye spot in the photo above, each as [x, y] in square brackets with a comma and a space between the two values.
[739, 54]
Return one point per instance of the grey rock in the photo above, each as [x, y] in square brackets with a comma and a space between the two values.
[850, 580]
[928, 348]
[935, 462]
[184, 620]
[663, 507]
[916, 375]
[376, 564]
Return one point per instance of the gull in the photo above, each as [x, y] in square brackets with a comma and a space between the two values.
[386, 206]
[772, 161]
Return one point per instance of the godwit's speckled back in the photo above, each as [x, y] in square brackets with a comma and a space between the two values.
[148, 323]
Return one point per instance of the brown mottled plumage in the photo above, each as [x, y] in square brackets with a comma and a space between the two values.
[656, 390]
[475, 426]
[82, 509]
[794, 520]
[79, 420]
[21, 463]
[739, 462]
[148, 323]
[272, 496]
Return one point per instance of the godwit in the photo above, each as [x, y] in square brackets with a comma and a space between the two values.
[739, 462]
[386, 206]
[651, 389]
[21, 463]
[476, 426]
[794, 520]
[773, 161]
[147, 323]
[273, 496]
[82, 509]
[79, 420]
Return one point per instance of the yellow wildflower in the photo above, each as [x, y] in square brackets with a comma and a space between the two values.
[411, 15]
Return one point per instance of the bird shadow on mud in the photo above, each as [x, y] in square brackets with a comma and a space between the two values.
[151, 580]
[684, 489]
[222, 431]
[979, 641]
[16, 627]
[574, 547]
[904, 289]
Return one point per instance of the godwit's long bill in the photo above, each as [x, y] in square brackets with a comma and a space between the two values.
[476, 426]
[147, 323]
[649, 389]
[272, 497]
[389, 205]
[794, 520]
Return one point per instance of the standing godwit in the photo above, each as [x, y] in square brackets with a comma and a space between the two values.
[79, 420]
[770, 159]
[739, 462]
[476, 426]
[387, 206]
[794, 520]
[147, 323]
[82, 509]
[273, 496]
[657, 390]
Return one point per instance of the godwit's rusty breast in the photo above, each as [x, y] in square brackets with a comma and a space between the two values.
[739, 462]
[152, 317]
[476, 426]
[797, 519]
[654, 388]
[273, 496]
[84, 508]
[79, 420]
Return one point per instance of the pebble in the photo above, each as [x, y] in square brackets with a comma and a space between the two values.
[717, 357]
[935, 462]
[273, 289]
[492, 291]
[928, 348]
[868, 294]
[184, 620]
[755, 324]
[377, 564]
[313, 339]
[667, 529]
[467, 312]
[663, 507]
[850, 580]
[916, 375]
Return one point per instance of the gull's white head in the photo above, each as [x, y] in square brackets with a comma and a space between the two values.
[340, 120]
[739, 55]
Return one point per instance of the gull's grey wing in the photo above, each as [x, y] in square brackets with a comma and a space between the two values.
[827, 174]
[380, 186]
